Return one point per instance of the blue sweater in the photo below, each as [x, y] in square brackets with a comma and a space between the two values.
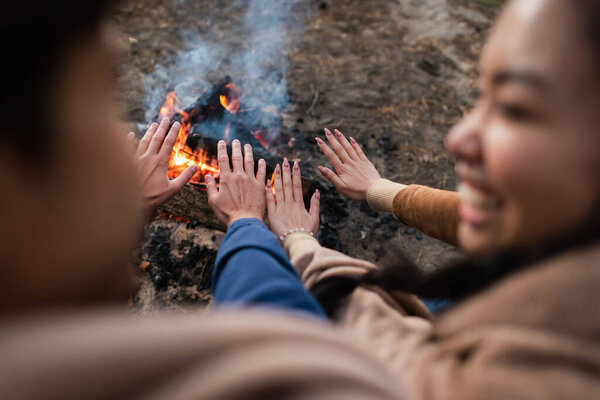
[253, 269]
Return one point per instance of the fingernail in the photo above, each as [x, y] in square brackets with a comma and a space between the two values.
[285, 162]
[208, 178]
[238, 142]
[327, 132]
[338, 133]
[195, 168]
[322, 170]
[319, 140]
[164, 120]
[261, 161]
[296, 167]
[221, 143]
[269, 183]
[352, 140]
[317, 194]
[277, 169]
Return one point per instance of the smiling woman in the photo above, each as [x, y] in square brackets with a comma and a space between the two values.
[527, 156]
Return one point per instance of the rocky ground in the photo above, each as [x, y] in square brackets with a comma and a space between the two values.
[395, 74]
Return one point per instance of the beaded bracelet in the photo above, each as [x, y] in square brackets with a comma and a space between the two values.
[286, 234]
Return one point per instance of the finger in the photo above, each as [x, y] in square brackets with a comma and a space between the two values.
[279, 197]
[131, 140]
[315, 206]
[288, 192]
[271, 207]
[159, 136]
[333, 159]
[358, 149]
[336, 146]
[332, 177]
[248, 160]
[145, 141]
[211, 187]
[345, 144]
[167, 146]
[261, 174]
[223, 159]
[297, 183]
[237, 161]
[184, 177]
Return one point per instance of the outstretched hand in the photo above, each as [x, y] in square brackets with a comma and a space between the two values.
[354, 173]
[152, 155]
[286, 210]
[240, 193]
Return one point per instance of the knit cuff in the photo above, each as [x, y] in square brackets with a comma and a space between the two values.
[381, 193]
[298, 243]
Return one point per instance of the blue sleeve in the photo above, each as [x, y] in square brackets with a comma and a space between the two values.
[253, 269]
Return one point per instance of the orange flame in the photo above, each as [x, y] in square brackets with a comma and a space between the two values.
[231, 101]
[182, 156]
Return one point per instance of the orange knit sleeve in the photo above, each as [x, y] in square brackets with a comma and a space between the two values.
[432, 211]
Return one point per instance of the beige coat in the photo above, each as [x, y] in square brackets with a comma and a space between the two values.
[535, 335]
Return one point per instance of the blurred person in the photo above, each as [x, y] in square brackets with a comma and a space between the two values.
[524, 322]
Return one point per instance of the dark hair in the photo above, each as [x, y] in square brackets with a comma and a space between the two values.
[35, 37]
[459, 279]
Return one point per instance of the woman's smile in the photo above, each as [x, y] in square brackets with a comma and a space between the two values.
[477, 208]
[480, 206]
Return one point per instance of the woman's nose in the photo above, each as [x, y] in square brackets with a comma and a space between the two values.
[464, 140]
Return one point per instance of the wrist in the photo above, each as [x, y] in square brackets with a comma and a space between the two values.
[283, 235]
[242, 215]
[381, 193]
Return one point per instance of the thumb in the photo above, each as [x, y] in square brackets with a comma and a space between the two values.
[131, 141]
[185, 176]
[332, 177]
[211, 187]
[271, 206]
[315, 205]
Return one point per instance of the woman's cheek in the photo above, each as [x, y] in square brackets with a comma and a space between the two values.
[517, 166]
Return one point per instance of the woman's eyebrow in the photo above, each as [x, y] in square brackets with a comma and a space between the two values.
[531, 79]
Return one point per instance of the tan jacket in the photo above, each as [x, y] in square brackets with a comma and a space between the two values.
[534, 335]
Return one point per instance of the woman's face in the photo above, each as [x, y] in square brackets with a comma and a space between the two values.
[528, 153]
[70, 225]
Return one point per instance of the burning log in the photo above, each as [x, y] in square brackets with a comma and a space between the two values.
[215, 115]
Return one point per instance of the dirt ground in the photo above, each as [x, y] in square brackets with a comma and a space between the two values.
[394, 74]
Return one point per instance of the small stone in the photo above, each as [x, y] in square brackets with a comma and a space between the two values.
[144, 265]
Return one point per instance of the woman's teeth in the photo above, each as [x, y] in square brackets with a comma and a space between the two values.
[476, 198]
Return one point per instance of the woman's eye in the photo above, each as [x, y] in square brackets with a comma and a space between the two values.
[515, 112]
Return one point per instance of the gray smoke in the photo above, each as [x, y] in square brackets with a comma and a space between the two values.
[253, 49]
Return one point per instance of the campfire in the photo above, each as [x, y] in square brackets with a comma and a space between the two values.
[218, 114]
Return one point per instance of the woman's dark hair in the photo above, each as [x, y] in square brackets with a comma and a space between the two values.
[35, 37]
[460, 279]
